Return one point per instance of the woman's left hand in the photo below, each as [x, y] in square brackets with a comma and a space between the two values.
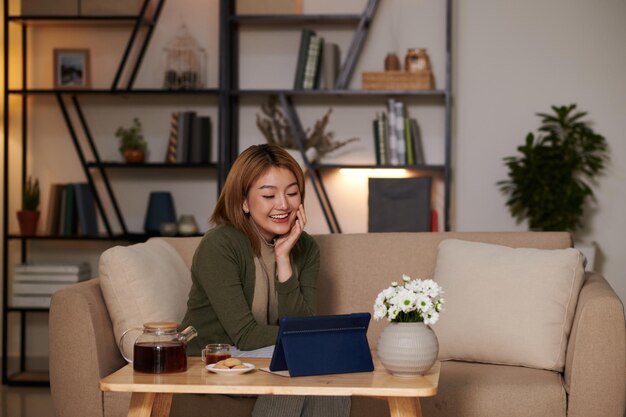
[285, 243]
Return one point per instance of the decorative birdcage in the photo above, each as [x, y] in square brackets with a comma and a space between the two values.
[185, 62]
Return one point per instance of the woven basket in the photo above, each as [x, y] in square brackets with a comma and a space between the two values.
[397, 80]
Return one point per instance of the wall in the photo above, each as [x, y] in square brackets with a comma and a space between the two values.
[510, 61]
[513, 59]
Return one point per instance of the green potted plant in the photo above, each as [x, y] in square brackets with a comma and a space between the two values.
[132, 144]
[551, 178]
[28, 216]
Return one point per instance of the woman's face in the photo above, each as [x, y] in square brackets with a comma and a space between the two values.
[273, 201]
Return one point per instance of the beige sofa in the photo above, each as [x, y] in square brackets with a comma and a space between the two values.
[354, 269]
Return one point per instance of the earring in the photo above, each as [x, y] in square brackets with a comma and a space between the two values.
[246, 211]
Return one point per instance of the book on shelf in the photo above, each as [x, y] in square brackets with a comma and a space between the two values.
[408, 140]
[392, 133]
[71, 210]
[37, 288]
[68, 211]
[303, 52]
[34, 283]
[185, 123]
[68, 268]
[397, 138]
[200, 140]
[311, 69]
[31, 301]
[416, 137]
[86, 209]
[65, 277]
[54, 209]
[331, 58]
[398, 109]
[376, 141]
[380, 139]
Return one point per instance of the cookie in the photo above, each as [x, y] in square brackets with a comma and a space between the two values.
[230, 362]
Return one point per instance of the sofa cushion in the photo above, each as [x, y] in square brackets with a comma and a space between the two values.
[143, 283]
[477, 389]
[505, 305]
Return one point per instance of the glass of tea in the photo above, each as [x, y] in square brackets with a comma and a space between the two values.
[215, 352]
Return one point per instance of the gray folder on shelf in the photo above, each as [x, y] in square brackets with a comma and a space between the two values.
[399, 204]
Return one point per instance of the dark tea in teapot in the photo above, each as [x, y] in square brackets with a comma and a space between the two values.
[160, 348]
[159, 358]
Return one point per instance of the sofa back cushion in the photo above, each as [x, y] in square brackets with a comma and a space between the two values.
[142, 283]
[505, 305]
[356, 267]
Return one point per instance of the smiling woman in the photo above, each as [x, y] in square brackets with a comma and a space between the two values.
[257, 265]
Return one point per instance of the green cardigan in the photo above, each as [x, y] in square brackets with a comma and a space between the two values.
[223, 276]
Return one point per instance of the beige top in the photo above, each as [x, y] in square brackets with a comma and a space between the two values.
[265, 300]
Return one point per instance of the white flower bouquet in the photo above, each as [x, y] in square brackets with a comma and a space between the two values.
[413, 301]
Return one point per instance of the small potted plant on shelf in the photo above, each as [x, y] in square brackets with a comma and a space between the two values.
[550, 180]
[132, 144]
[28, 216]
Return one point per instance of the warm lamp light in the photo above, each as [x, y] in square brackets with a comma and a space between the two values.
[375, 172]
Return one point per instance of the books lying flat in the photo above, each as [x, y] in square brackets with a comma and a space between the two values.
[39, 277]
[31, 301]
[68, 268]
[37, 288]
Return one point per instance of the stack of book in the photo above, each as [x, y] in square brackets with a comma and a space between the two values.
[191, 134]
[318, 62]
[34, 284]
[397, 139]
[71, 210]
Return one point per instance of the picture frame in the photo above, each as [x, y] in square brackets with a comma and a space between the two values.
[71, 68]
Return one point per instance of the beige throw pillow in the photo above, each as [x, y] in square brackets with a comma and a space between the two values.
[142, 283]
[505, 305]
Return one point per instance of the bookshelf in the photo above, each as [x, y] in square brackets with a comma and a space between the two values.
[227, 98]
[73, 105]
[231, 27]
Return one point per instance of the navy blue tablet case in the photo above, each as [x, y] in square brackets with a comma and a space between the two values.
[323, 345]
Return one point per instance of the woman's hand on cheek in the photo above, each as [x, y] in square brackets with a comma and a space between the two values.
[286, 242]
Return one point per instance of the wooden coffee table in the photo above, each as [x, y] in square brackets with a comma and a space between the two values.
[152, 394]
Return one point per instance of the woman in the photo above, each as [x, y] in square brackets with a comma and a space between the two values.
[257, 265]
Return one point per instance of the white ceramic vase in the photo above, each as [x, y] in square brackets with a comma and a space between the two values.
[408, 349]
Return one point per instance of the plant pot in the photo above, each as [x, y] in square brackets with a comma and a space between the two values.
[28, 220]
[407, 349]
[134, 156]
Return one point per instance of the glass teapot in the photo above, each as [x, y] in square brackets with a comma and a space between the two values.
[159, 348]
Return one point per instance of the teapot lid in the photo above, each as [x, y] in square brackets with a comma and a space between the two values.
[160, 325]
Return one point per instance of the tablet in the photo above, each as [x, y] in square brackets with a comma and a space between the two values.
[323, 345]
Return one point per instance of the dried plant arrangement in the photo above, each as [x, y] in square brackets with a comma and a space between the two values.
[274, 126]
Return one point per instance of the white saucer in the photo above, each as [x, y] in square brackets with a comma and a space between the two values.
[233, 371]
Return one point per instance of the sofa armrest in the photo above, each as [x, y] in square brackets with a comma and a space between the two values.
[80, 333]
[595, 364]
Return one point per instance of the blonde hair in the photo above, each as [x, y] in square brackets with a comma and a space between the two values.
[247, 168]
